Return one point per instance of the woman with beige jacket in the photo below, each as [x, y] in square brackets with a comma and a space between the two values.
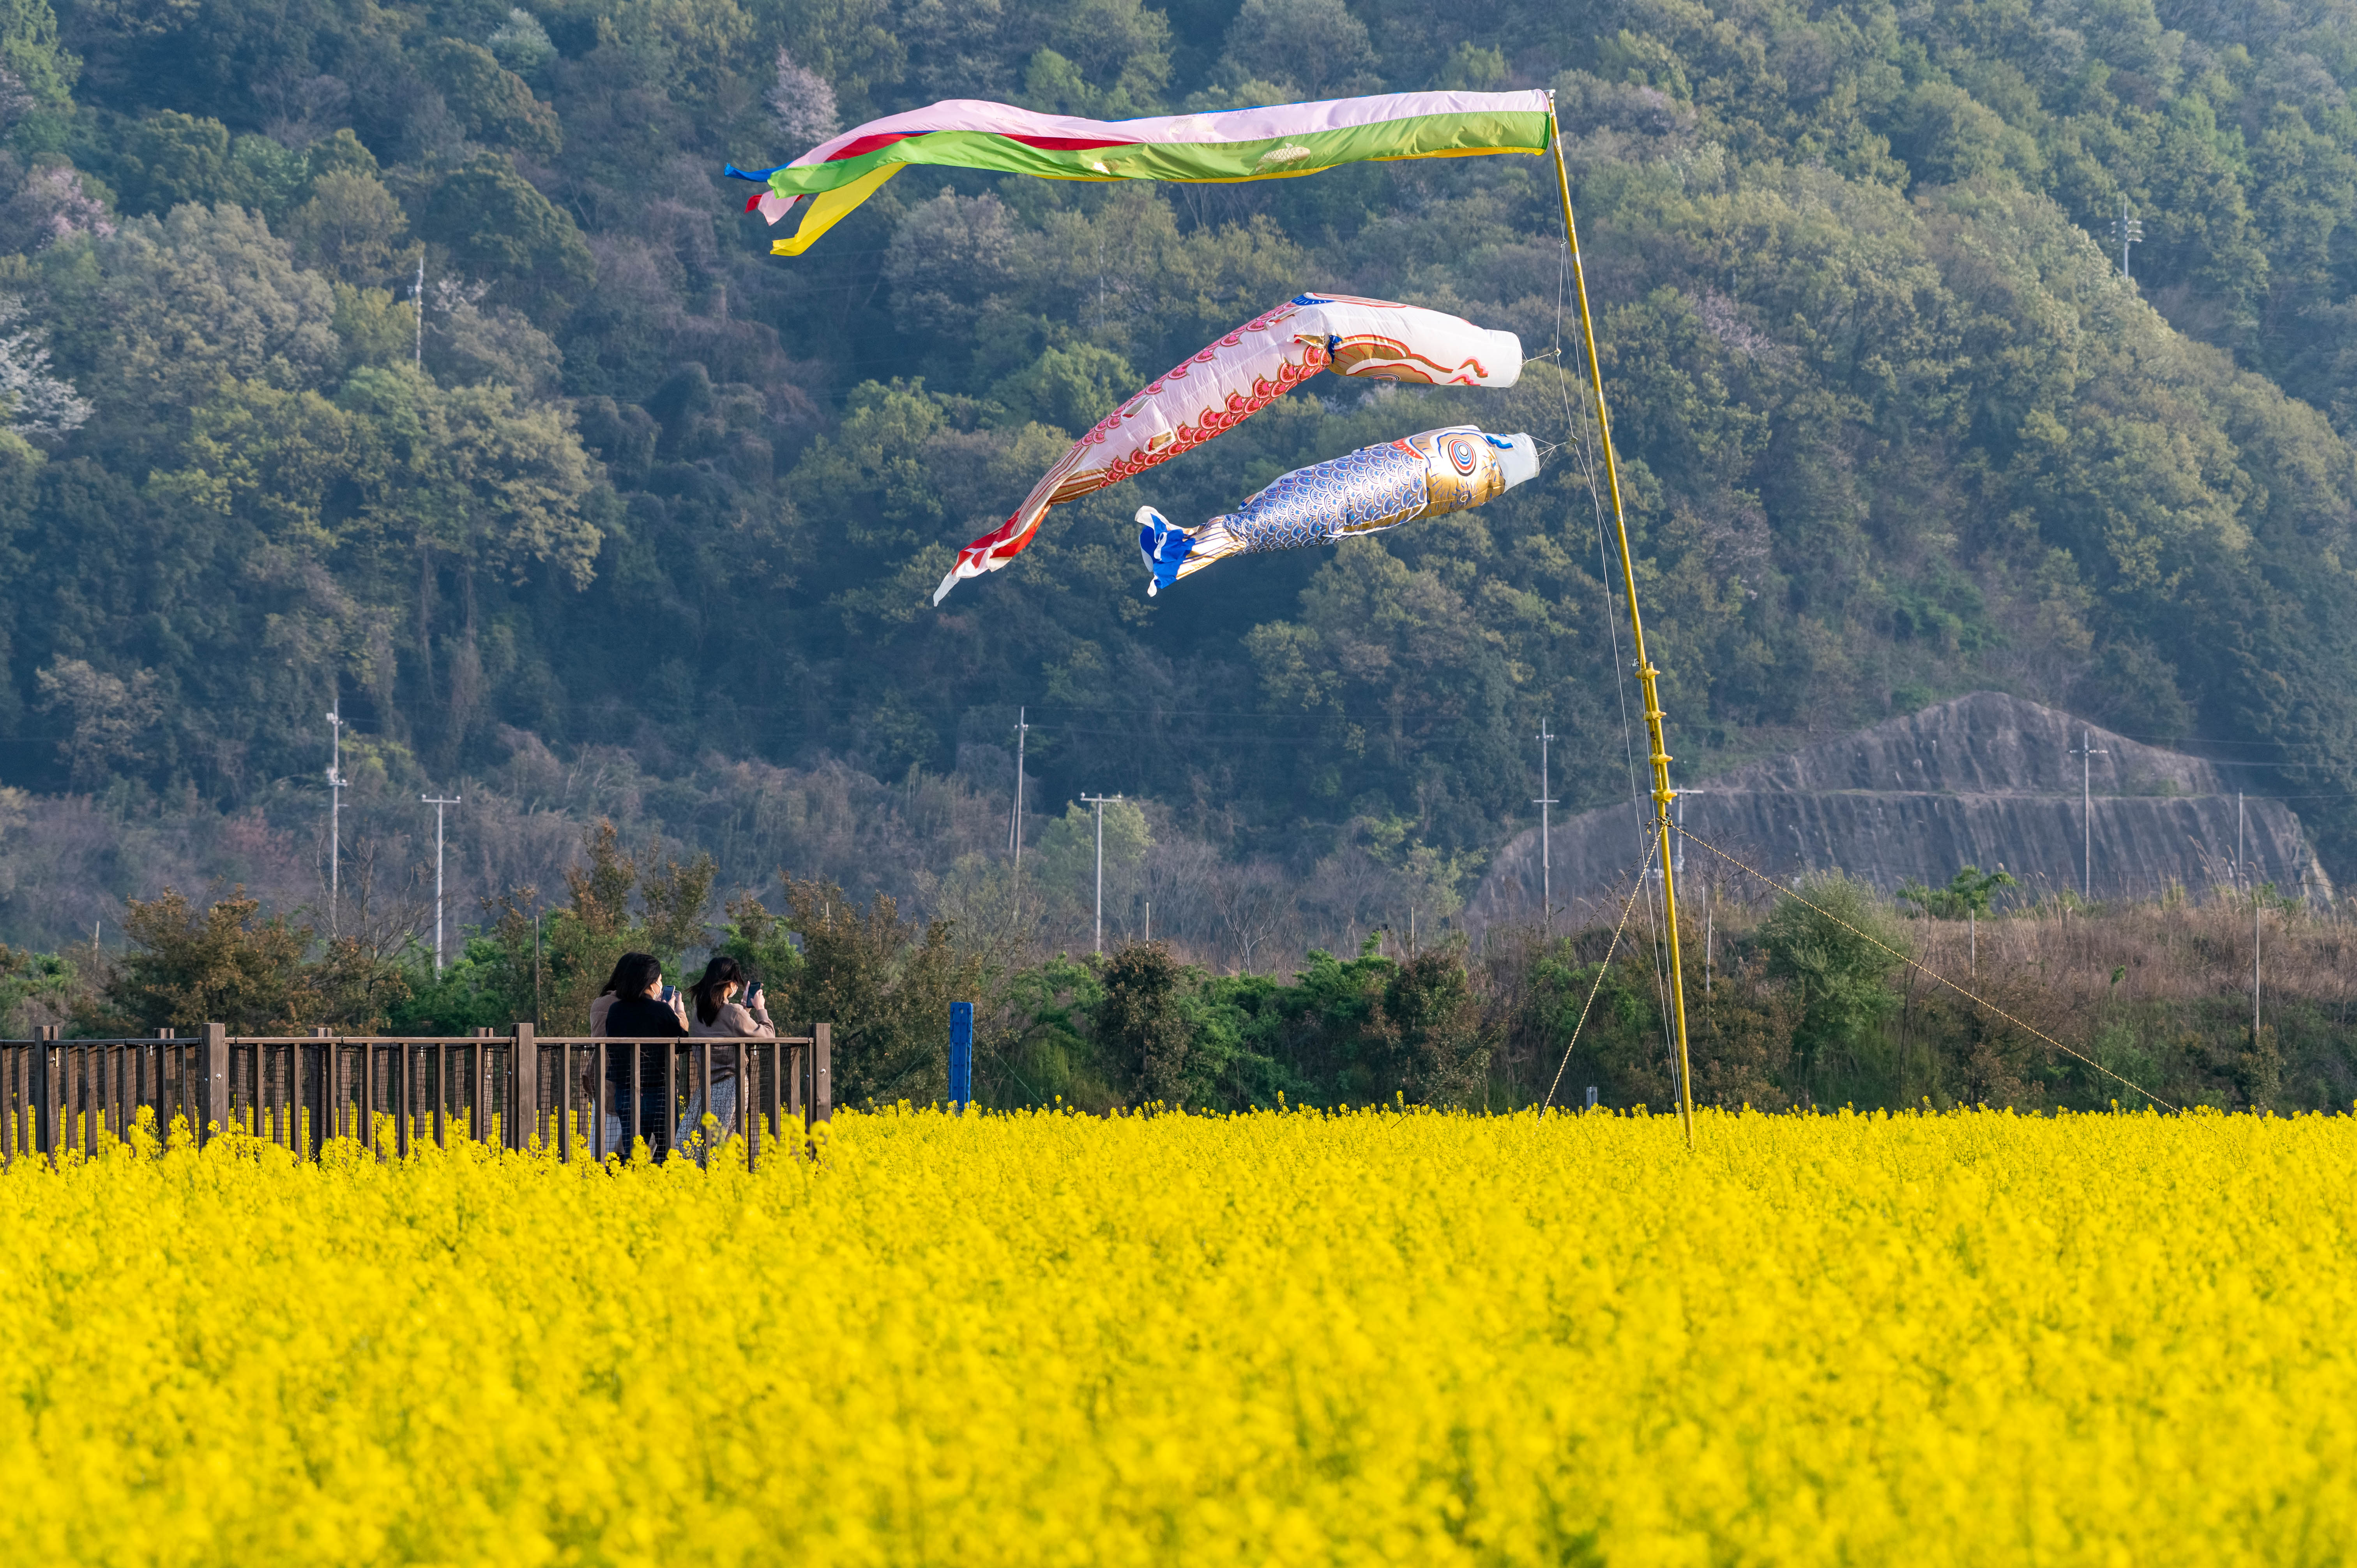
[715, 1013]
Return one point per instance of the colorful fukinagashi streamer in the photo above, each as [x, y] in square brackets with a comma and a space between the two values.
[1212, 391]
[1430, 473]
[1234, 144]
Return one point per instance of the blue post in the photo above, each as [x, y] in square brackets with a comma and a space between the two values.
[961, 1053]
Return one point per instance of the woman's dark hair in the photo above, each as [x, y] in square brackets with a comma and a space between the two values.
[633, 972]
[710, 991]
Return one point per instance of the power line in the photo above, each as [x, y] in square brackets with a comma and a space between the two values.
[1911, 962]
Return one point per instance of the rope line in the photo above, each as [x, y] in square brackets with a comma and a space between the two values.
[1933, 974]
[1601, 969]
[1580, 436]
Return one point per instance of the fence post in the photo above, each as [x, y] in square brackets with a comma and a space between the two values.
[960, 1054]
[215, 1068]
[45, 1113]
[821, 1066]
[523, 1096]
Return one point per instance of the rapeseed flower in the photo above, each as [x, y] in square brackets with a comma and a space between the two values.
[1279, 1338]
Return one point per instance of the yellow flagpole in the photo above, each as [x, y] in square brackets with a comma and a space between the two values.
[1646, 674]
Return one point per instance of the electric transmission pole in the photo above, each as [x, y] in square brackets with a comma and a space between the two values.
[1014, 822]
[417, 294]
[335, 815]
[2088, 751]
[2129, 231]
[1099, 802]
[437, 803]
[1546, 847]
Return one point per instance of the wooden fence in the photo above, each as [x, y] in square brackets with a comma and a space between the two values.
[574, 1096]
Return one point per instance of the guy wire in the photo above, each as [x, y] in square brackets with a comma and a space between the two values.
[1626, 905]
[1977, 1000]
[1577, 438]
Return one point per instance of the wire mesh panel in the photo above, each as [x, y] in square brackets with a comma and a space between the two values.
[581, 1097]
[594, 1097]
[60, 1096]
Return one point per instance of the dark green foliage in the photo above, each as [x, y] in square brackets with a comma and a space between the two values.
[1968, 893]
[547, 964]
[229, 963]
[499, 227]
[1141, 1024]
[1892, 425]
[1138, 1028]
[1832, 940]
[494, 105]
[884, 983]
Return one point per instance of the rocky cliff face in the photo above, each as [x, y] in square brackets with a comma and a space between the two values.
[1984, 780]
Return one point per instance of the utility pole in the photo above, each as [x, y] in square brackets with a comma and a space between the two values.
[2128, 232]
[2088, 752]
[1679, 869]
[1546, 849]
[1100, 803]
[437, 803]
[1014, 824]
[2243, 872]
[418, 295]
[335, 815]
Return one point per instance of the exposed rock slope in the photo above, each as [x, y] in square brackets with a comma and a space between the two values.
[1984, 780]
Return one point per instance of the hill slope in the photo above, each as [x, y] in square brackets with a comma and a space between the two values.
[1895, 426]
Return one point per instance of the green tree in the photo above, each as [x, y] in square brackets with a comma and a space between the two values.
[1832, 941]
[495, 104]
[885, 985]
[350, 227]
[1968, 892]
[497, 227]
[1141, 1026]
[31, 53]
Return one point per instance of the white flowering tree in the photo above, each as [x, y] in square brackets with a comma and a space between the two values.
[34, 403]
[803, 103]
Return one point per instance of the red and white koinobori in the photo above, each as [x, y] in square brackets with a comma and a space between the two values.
[1214, 391]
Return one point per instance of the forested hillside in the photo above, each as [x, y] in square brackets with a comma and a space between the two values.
[1894, 426]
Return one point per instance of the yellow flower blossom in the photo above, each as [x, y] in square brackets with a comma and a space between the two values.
[1043, 1338]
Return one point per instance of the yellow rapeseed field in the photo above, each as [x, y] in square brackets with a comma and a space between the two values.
[1277, 1338]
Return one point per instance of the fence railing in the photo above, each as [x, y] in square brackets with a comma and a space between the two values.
[571, 1095]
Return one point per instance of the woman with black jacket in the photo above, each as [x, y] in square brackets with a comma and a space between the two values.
[638, 1013]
